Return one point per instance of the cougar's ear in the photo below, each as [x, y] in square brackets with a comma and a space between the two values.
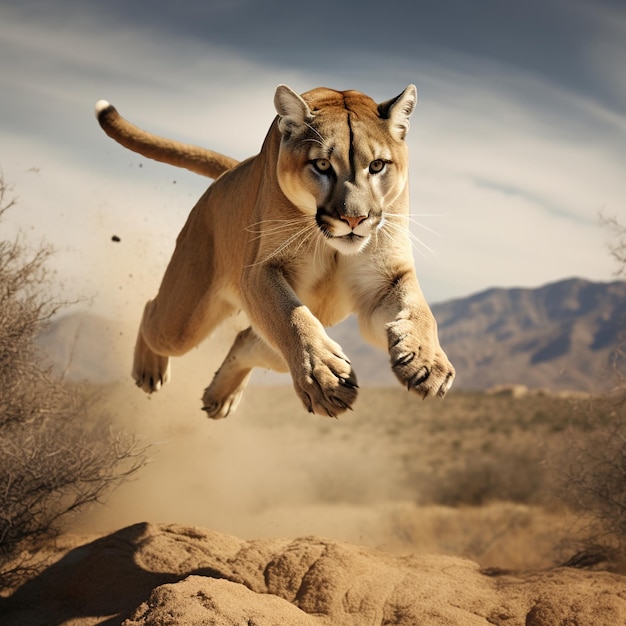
[293, 111]
[398, 110]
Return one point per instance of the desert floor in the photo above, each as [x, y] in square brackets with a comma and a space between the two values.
[470, 484]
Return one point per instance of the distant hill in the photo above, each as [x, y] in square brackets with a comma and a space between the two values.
[83, 346]
[559, 336]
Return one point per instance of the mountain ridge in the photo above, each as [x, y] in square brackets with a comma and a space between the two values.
[560, 335]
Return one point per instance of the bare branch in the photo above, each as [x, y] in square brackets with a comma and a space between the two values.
[618, 246]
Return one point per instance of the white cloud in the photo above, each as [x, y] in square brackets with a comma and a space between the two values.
[514, 168]
[517, 188]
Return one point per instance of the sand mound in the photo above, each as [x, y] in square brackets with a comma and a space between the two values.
[150, 575]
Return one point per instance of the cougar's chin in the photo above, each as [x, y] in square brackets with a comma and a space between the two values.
[348, 244]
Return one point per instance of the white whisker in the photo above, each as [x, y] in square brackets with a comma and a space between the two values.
[430, 230]
[302, 234]
[390, 228]
[321, 140]
[412, 219]
[314, 140]
[317, 250]
[280, 225]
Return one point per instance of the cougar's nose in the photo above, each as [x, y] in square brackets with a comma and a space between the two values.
[353, 222]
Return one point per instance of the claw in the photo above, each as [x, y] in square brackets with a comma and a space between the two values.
[346, 382]
[405, 359]
[308, 404]
[340, 403]
[421, 376]
[445, 387]
[397, 341]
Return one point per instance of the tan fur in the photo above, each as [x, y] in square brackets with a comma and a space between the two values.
[312, 229]
[198, 160]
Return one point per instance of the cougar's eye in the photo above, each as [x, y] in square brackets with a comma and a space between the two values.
[323, 166]
[377, 166]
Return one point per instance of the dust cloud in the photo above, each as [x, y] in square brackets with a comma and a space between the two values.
[269, 469]
[273, 470]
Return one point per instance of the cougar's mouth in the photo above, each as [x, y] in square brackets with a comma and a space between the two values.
[345, 242]
[352, 237]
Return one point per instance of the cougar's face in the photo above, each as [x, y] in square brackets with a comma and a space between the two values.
[345, 170]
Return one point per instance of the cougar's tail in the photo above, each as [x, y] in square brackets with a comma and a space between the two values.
[198, 160]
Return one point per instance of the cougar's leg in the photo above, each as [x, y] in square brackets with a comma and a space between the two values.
[186, 309]
[150, 370]
[161, 336]
[248, 351]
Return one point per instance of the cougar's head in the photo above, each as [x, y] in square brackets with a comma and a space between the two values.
[343, 159]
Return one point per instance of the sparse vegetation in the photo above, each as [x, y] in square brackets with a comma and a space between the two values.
[593, 483]
[617, 248]
[593, 476]
[56, 452]
[466, 476]
[508, 473]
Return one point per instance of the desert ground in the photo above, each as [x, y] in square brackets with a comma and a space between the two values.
[402, 511]
[465, 476]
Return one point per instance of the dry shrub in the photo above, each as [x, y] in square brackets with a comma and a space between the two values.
[512, 473]
[57, 453]
[593, 483]
[617, 248]
[593, 476]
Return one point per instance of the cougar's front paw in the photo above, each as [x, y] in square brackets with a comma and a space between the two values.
[325, 380]
[417, 358]
[150, 371]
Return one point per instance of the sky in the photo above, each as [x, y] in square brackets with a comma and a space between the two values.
[517, 145]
